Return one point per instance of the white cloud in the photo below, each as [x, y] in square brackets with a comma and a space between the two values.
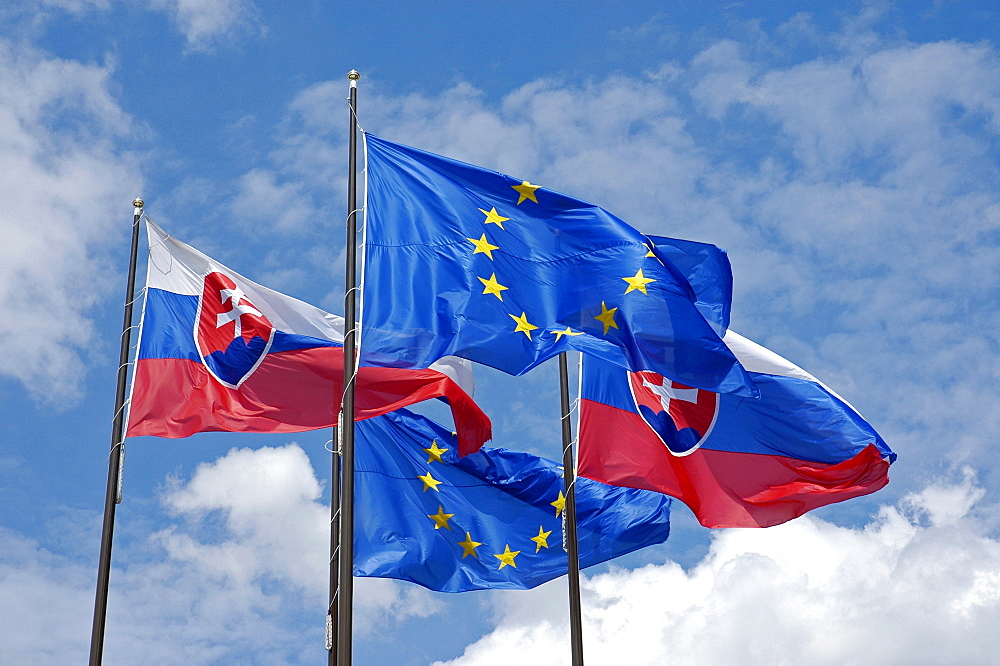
[268, 503]
[382, 603]
[207, 23]
[887, 199]
[64, 206]
[30, 15]
[898, 590]
[44, 615]
[235, 577]
[243, 564]
[77, 6]
[273, 527]
[277, 207]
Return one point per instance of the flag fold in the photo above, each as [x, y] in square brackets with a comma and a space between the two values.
[707, 269]
[491, 520]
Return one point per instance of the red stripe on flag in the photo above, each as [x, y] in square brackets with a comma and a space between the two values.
[722, 488]
[290, 391]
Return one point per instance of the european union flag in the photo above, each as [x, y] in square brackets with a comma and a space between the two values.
[465, 261]
[490, 520]
[707, 269]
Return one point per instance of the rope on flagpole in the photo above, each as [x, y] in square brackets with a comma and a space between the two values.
[120, 367]
[364, 235]
[135, 297]
[121, 410]
[357, 290]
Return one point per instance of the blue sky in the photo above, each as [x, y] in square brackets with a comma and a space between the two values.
[847, 158]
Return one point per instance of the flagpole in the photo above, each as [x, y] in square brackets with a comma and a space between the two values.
[345, 595]
[570, 538]
[115, 460]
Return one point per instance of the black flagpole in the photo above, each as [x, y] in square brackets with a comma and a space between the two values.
[345, 593]
[115, 459]
[571, 546]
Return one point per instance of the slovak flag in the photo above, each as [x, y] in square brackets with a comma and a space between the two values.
[218, 352]
[734, 461]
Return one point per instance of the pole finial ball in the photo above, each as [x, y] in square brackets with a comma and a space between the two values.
[353, 75]
[138, 203]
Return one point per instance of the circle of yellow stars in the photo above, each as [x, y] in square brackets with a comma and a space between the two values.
[493, 287]
[441, 519]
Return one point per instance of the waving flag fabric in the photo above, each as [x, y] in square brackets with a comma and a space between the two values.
[469, 262]
[735, 462]
[709, 273]
[219, 352]
[490, 520]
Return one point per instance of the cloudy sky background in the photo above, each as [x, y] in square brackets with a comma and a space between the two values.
[847, 159]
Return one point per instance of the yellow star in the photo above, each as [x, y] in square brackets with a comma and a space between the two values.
[522, 324]
[607, 317]
[568, 331]
[638, 282]
[492, 286]
[527, 191]
[483, 245]
[469, 546]
[434, 452]
[507, 556]
[559, 504]
[493, 217]
[441, 518]
[541, 541]
[429, 482]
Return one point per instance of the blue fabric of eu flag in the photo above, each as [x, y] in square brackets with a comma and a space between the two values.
[708, 271]
[465, 261]
[490, 520]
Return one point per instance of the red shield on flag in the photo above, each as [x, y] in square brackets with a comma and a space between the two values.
[681, 416]
[231, 334]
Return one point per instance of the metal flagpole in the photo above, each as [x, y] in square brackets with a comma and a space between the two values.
[116, 458]
[569, 536]
[345, 593]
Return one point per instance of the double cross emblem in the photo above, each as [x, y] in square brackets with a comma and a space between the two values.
[233, 336]
[681, 416]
